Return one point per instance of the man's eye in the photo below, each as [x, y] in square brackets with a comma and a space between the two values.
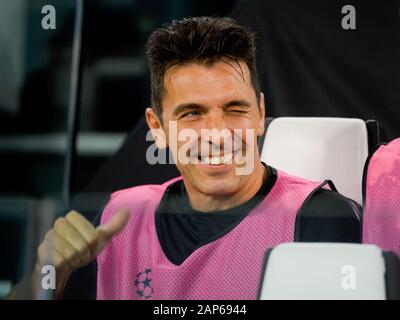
[190, 114]
[237, 111]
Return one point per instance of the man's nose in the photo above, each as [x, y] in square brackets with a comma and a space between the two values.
[220, 134]
[216, 120]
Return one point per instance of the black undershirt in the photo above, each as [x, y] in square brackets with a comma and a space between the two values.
[326, 216]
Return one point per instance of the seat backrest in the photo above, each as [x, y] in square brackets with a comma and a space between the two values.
[329, 271]
[318, 149]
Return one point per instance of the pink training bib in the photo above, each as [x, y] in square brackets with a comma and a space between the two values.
[134, 266]
[381, 218]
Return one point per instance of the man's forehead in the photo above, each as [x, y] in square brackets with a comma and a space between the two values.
[199, 79]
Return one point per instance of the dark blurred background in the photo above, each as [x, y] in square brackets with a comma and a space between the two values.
[309, 66]
[35, 84]
[115, 87]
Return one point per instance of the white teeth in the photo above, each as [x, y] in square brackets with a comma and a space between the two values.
[228, 158]
[218, 160]
[215, 160]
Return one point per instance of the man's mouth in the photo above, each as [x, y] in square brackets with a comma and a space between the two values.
[216, 160]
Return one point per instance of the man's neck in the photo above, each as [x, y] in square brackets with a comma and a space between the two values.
[209, 203]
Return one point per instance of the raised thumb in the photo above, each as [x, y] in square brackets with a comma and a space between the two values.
[106, 231]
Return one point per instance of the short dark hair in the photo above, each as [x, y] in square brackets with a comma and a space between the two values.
[201, 40]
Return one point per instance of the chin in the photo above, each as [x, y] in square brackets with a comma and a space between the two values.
[219, 187]
[213, 180]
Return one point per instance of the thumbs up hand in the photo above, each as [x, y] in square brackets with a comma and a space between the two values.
[73, 242]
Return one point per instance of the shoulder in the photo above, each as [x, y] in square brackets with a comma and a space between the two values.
[286, 178]
[288, 183]
[137, 199]
[147, 190]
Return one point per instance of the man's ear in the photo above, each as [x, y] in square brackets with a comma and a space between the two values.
[261, 125]
[156, 128]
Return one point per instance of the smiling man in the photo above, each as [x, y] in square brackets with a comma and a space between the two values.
[202, 235]
[215, 97]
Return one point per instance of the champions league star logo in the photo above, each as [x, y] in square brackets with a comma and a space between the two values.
[143, 285]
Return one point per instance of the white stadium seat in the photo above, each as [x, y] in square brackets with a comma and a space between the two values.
[319, 149]
[329, 271]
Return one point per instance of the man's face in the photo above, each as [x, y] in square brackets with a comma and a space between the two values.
[215, 97]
